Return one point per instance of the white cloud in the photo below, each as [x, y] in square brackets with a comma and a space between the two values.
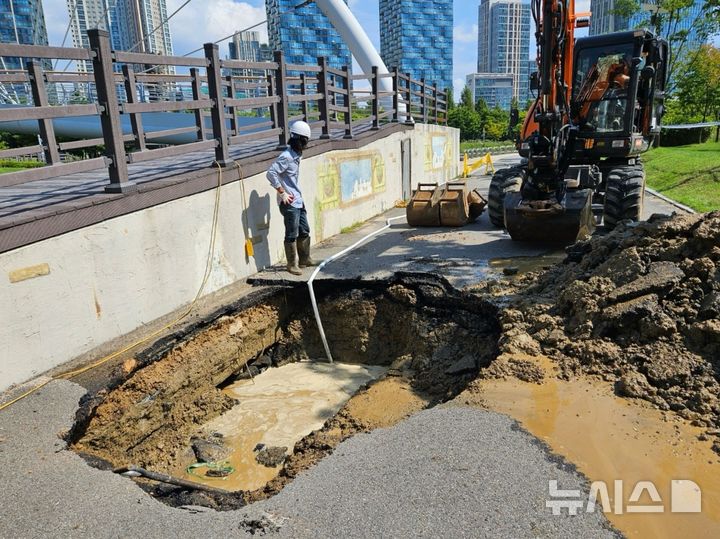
[465, 33]
[203, 21]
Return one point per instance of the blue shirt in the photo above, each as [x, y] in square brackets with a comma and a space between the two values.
[285, 173]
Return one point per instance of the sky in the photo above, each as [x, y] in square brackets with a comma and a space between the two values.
[203, 21]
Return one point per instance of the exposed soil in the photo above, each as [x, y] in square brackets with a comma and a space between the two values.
[639, 307]
[433, 338]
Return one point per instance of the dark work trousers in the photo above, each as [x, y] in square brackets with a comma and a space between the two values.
[296, 223]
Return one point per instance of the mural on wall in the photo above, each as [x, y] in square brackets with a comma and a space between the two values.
[438, 151]
[350, 178]
[346, 179]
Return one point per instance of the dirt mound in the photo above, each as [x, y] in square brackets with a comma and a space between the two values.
[639, 307]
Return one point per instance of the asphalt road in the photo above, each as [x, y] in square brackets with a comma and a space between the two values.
[448, 472]
[462, 255]
[445, 472]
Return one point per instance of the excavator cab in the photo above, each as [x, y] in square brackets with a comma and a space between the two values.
[618, 93]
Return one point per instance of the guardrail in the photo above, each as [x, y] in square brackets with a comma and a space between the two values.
[129, 83]
[480, 152]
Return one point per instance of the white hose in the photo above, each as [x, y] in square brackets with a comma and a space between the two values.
[325, 263]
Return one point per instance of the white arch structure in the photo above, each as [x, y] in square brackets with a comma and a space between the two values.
[342, 19]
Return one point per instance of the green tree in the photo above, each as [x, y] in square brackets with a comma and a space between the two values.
[664, 17]
[466, 120]
[698, 86]
[466, 99]
[497, 124]
[481, 107]
[450, 99]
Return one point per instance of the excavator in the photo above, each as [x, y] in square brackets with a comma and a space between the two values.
[598, 108]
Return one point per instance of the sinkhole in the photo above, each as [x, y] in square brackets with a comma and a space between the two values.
[239, 403]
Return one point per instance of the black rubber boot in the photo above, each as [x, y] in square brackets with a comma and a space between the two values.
[291, 253]
[303, 247]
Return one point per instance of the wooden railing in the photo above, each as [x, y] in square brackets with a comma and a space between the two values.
[128, 83]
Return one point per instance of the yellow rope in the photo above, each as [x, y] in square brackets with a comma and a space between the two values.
[185, 314]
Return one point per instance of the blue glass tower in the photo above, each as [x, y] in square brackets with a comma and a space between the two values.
[416, 36]
[304, 34]
[605, 21]
[22, 22]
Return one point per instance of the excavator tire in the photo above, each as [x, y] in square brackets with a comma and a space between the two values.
[624, 194]
[505, 180]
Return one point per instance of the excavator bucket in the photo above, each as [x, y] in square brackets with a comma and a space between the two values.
[454, 209]
[423, 208]
[476, 203]
[550, 221]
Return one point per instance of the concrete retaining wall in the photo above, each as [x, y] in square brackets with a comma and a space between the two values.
[67, 295]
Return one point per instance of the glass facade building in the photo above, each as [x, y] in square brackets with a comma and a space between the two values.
[22, 22]
[416, 36]
[504, 44]
[496, 89]
[130, 23]
[604, 21]
[304, 34]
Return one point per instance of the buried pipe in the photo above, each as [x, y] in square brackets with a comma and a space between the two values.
[136, 471]
[325, 262]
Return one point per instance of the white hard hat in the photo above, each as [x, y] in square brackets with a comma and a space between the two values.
[302, 129]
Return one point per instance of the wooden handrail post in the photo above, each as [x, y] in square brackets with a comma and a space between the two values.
[110, 115]
[40, 99]
[396, 95]
[135, 118]
[348, 103]
[217, 112]
[408, 95]
[281, 89]
[196, 90]
[303, 90]
[324, 103]
[375, 83]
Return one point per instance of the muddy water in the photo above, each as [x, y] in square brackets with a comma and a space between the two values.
[610, 439]
[278, 408]
[525, 264]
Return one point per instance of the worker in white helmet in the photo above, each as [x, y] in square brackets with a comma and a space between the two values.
[284, 176]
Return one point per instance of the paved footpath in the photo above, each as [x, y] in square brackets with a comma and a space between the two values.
[446, 472]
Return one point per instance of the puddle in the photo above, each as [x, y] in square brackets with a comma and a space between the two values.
[278, 408]
[526, 264]
[610, 439]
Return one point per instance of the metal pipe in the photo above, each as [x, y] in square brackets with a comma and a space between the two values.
[136, 471]
[324, 263]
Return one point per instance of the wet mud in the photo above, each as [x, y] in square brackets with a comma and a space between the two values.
[430, 338]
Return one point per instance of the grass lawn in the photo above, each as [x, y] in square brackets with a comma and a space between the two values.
[8, 169]
[688, 174]
[489, 144]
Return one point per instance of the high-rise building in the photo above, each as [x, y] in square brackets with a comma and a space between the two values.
[496, 89]
[134, 25]
[504, 42]
[245, 46]
[21, 22]
[605, 21]
[304, 34]
[416, 36]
